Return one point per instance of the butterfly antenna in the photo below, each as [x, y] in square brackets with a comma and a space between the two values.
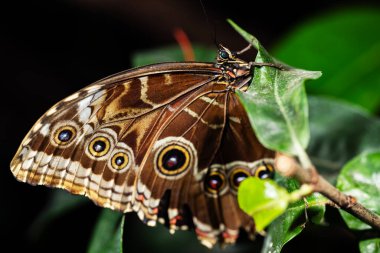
[210, 24]
[244, 49]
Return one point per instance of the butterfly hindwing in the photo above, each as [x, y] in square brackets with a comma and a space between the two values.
[213, 200]
[182, 146]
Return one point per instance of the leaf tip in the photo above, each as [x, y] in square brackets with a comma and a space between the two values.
[314, 74]
[232, 23]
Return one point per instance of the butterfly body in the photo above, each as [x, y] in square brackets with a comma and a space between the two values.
[169, 141]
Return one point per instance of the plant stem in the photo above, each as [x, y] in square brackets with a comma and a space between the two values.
[303, 191]
[289, 167]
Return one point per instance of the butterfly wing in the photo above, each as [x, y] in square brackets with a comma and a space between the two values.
[186, 143]
[199, 158]
[240, 155]
[55, 152]
[162, 140]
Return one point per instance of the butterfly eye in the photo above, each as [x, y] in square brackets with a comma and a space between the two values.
[173, 160]
[215, 182]
[237, 176]
[223, 54]
[99, 146]
[64, 135]
[119, 161]
[264, 171]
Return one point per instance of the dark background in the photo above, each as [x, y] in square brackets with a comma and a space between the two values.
[50, 49]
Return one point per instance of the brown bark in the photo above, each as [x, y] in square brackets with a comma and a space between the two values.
[289, 167]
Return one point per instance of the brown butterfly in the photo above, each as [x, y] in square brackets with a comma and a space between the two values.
[170, 141]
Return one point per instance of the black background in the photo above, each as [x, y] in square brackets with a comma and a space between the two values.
[50, 49]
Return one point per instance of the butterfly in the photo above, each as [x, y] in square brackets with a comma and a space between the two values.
[169, 141]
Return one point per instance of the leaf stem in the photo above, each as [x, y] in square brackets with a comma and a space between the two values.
[304, 158]
[305, 190]
[289, 167]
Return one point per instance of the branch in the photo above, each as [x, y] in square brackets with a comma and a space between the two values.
[289, 167]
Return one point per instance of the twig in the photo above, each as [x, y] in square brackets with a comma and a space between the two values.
[289, 167]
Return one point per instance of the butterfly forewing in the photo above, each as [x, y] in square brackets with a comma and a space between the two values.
[168, 141]
[103, 102]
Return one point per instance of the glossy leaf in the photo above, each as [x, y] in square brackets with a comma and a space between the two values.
[360, 178]
[293, 221]
[370, 246]
[339, 132]
[108, 233]
[345, 45]
[276, 103]
[264, 200]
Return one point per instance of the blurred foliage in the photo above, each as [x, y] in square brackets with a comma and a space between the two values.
[360, 178]
[339, 131]
[108, 233]
[60, 203]
[345, 46]
[172, 54]
[370, 246]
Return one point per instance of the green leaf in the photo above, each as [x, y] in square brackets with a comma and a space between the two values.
[276, 104]
[370, 246]
[361, 178]
[339, 132]
[345, 45]
[264, 200]
[171, 54]
[108, 233]
[293, 221]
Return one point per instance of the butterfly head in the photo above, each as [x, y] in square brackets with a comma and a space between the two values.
[232, 66]
[225, 55]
